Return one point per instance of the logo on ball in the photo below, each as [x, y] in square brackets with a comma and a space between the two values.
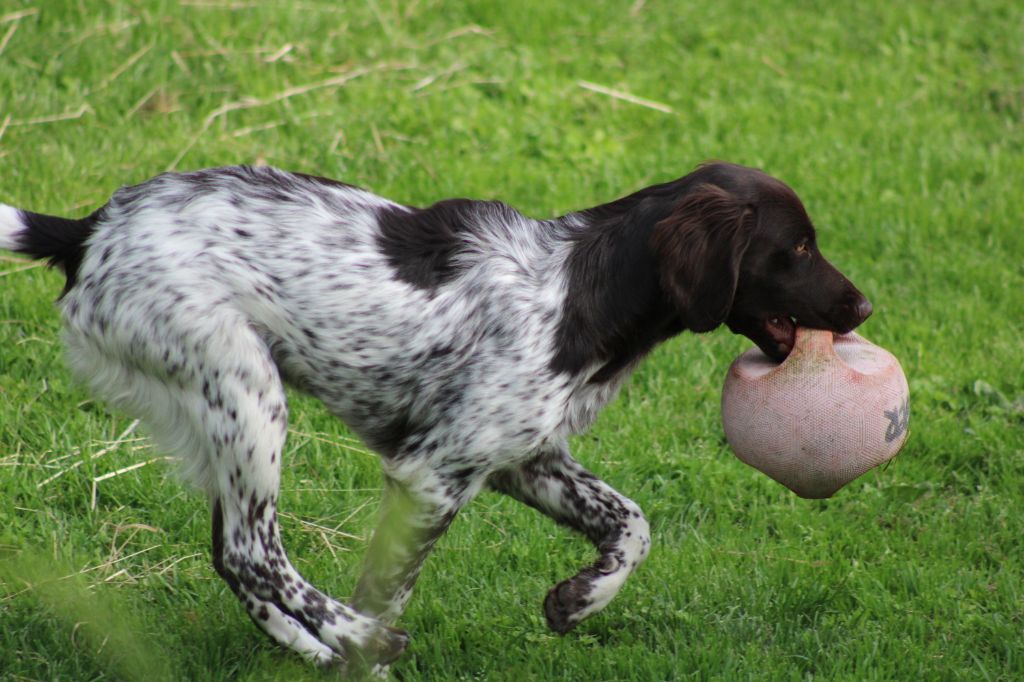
[899, 419]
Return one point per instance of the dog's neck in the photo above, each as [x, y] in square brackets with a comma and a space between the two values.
[615, 310]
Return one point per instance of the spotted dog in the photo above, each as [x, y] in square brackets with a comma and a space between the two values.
[464, 342]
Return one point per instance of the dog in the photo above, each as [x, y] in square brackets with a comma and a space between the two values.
[464, 342]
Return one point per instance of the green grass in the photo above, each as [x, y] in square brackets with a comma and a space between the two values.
[900, 125]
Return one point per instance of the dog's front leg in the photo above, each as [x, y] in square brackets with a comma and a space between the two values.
[557, 485]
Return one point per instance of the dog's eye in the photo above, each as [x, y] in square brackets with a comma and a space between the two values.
[801, 248]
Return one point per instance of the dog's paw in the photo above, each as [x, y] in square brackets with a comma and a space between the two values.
[372, 658]
[584, 594]
[566, 603]
[389, 644]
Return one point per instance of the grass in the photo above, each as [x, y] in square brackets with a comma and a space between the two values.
[900, 124]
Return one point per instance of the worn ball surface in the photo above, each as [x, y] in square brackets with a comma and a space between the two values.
[835, 408]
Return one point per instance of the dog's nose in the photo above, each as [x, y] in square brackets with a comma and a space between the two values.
[864, 309]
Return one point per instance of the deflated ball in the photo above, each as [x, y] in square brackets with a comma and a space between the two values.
[836, 407]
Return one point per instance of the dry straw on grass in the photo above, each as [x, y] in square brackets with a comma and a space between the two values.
[626, 97]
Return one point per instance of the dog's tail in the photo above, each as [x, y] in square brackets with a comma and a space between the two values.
[60, 240]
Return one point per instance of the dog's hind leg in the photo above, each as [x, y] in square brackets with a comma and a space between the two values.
[557, 485]
[212, 395]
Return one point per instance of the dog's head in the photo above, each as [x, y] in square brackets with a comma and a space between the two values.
[739, 249]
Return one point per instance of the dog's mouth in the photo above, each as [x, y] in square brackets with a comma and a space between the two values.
[775, 335]
[777, 338]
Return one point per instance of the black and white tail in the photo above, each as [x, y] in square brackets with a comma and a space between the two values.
[59, 240]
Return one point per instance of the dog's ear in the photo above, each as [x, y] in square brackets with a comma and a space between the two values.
[698, 250]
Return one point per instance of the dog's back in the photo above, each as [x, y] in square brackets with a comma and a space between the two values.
[347, 292]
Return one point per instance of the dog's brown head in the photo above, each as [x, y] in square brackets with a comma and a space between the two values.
[739, 249]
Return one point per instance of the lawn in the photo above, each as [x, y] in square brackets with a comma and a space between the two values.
[901, 125]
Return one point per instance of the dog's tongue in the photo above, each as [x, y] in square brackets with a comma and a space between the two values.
[782, 331]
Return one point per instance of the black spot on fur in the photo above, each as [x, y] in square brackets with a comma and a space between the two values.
[439, 352]
[219, 563]
[461, 475]
[422, 244]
